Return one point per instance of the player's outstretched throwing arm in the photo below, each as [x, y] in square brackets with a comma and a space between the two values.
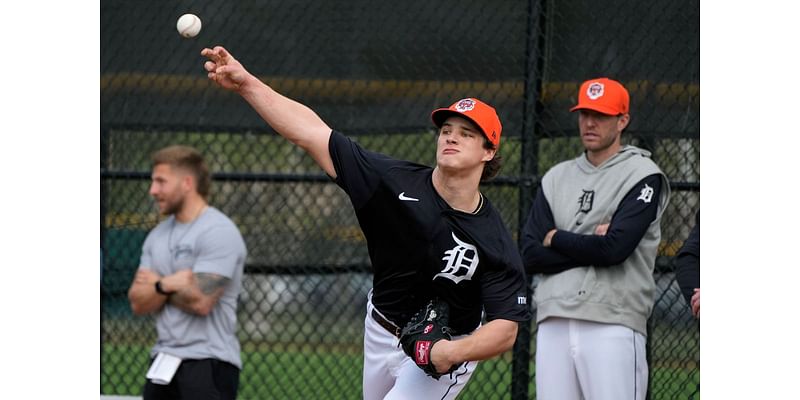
[292, 120]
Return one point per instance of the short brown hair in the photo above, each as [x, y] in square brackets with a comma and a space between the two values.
[188, 158]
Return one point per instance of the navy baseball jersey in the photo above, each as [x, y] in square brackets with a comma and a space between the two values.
[421, 248]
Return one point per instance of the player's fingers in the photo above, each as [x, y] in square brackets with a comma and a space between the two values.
[210, 54]
[209, 66]
[213, 54]
[220, 55]
[222, 52]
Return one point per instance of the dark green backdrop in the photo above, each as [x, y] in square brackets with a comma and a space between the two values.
[375, 70]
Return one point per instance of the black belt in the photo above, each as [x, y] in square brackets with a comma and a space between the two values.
[386, 324]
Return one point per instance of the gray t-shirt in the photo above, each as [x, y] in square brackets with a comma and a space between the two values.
[211, 243]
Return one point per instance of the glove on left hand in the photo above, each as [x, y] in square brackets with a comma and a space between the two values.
[426, 327]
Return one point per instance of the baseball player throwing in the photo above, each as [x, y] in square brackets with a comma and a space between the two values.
[441, 255]
[592, 234]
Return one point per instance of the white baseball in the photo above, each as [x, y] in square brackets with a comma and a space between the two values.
[189, 25]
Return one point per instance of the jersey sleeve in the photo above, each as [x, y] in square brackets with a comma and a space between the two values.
[535, 257]
[358, 171]
[687, 271]
[504, 286]
[221, 250]
[626, 229]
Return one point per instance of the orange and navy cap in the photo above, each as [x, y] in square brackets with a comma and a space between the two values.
[478, 112]
[603, 95]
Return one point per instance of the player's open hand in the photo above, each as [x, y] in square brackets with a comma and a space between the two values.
[224, 69]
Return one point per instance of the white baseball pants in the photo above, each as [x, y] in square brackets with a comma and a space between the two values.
[578, 359]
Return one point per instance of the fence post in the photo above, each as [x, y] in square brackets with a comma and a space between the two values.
[521, 375]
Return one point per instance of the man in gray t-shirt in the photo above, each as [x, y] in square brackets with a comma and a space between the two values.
[189, 278]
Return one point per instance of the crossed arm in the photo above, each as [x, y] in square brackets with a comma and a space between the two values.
[548, 250]
[194, 293]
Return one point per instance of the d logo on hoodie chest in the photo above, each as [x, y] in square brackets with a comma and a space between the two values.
[585, 202]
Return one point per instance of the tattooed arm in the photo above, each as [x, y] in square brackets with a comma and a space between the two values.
[195, 293]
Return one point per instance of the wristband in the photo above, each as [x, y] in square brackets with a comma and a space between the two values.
[161, 290]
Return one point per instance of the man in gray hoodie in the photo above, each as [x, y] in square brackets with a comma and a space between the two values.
[592, 237]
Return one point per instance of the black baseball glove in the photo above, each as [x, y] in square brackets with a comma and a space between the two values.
[426, 327]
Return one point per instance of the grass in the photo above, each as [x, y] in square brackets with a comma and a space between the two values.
[319, 372]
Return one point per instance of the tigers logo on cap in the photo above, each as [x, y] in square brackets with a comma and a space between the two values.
[465, 105]
[480, 113]
[595, 90]
[603, 95]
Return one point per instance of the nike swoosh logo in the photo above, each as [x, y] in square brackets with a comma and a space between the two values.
[406, 198]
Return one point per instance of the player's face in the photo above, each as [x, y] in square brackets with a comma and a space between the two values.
[168, 188]
[460, 145]
[601, 132]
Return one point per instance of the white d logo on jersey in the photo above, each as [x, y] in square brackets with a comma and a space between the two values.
[462, 261]
[646, 195]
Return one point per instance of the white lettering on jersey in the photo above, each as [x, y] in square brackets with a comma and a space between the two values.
[522, 300]
[646, 195]
[462, 261]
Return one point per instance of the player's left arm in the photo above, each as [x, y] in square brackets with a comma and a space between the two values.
[198, 290]
[490, 340]
[620, 238]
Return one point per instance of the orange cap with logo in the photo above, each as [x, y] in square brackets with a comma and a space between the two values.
[478, 112]
[603, 95]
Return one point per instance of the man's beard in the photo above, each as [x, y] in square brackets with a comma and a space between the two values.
[172, 208]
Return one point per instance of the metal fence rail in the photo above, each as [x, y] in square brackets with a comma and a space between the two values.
[375, 70]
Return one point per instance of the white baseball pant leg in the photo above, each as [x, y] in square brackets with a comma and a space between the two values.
[578, 359]
[389, 374]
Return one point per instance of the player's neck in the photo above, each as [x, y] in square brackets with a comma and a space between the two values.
[598, 157]
[191, 209]
[461, 192]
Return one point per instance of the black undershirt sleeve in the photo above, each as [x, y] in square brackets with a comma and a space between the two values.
[687, 271]
[627, 227]
[536, 257]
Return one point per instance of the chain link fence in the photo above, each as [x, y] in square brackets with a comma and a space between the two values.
[375, 70]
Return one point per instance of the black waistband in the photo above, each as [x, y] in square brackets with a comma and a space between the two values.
[386, 324]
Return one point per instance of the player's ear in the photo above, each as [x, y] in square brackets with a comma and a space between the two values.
[188, 182]
[622, 122]
[488, 154]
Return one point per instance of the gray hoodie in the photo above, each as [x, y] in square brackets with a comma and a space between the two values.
[620, 294]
